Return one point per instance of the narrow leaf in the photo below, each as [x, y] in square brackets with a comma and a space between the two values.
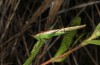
[67, 40]
[96, 32]
[95, 42]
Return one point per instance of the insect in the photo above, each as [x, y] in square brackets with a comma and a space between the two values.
[49, 34]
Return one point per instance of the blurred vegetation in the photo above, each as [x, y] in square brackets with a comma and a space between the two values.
[19, 19]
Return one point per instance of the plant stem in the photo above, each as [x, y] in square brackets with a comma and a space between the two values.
[63, 55]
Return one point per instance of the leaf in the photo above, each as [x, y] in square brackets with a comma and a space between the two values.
[34, 52]
[95, 35]
[67, 40]
[96, 32]
[95, 42]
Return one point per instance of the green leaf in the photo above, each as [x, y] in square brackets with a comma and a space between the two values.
[67, 40]
[96, 32]
[95, 35]
[95, 42]
[33, 53]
